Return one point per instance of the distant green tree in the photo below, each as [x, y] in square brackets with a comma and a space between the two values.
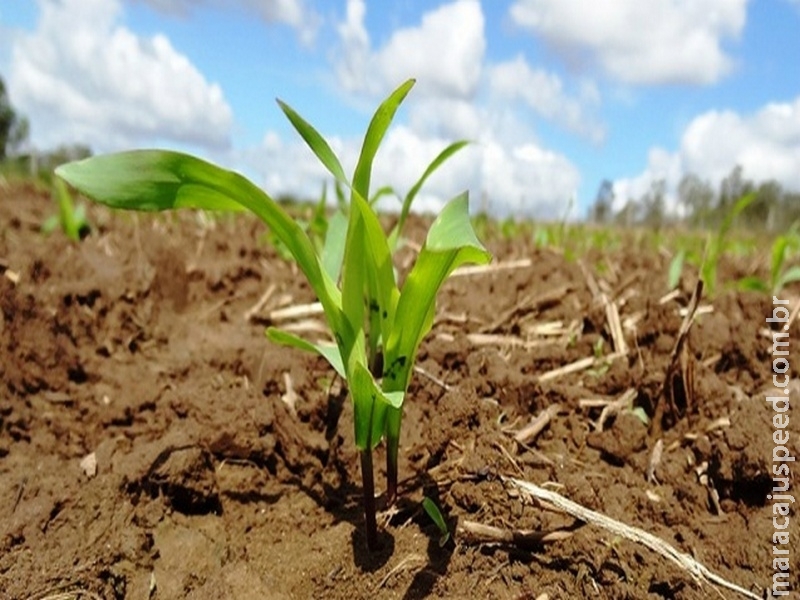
[14, 129]
[696, 196]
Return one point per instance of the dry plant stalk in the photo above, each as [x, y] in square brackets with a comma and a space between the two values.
[578, 365]
[698, 571]
[471, 532]
[522, 263]
[654, 461]
[614, 326]
[677, 389]
[528, 433]
[613, 408]
[529, 303]
[511, 341]
[262, 301]
[298, 311]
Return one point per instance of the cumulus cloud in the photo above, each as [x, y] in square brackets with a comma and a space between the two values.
[459, 95]
[444, 52]
[543, 91]
[82, 77]
[766, 144]
[295, 13]
[656, 42]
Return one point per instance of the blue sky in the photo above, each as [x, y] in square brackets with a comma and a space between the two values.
[556, 94]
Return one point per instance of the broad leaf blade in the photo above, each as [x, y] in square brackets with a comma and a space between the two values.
[451, 242]
[329, 352]
[752, 283]
[676, 269]
[163, 180]
[333, 249]
[370, 405]
[789, 276]
[778, 256]
[382, 292]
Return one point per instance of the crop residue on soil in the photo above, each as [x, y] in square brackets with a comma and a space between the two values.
[153, 444]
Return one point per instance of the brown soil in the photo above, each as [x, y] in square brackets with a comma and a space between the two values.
[132, 348]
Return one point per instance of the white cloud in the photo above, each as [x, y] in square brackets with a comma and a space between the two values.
[655, 42]
[444, 52]
[543, 91]
[459, 96]
[765, 144]
[82, 77]
[295, 13]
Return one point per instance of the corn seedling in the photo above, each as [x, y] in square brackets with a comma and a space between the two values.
[436, 516]
[715, 247]
[780, 275]
[71, 218]
[367, 313]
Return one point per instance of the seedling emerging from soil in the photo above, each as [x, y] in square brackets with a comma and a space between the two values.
[71, 218]
[716, 245]
[436, 516]
[368, 314]
[780, 275]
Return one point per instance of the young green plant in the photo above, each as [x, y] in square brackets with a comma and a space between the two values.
[716, 246]
[71, 218]
[438, 518]
[364, 307]
[780, 275]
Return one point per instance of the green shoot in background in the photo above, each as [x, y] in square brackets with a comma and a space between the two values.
[716, 244]
[351, 273]
[780, 275]
[71, 218]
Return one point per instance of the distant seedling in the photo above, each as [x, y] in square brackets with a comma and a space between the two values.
[716, 245]
[780, 275]
[368, 314]
[71, 218]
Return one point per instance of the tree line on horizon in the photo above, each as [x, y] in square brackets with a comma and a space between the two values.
[699, 204]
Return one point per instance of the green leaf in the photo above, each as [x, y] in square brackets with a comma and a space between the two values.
[778, 257]
[66, 210]
[370, 405]
[50, 224]
[333, 249]
[451, 242]
[753, 284]
[436, 516]
[412, 193]
[375, 132]
[162, 180]
[329, 352]
[789, 276]
[315, 141]
[675, 269]
[354, 276]
[382, 292]
[641, 414]
[386, 190]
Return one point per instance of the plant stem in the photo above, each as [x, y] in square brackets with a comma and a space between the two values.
[368, 483]
[393, 422]
[391, 471]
